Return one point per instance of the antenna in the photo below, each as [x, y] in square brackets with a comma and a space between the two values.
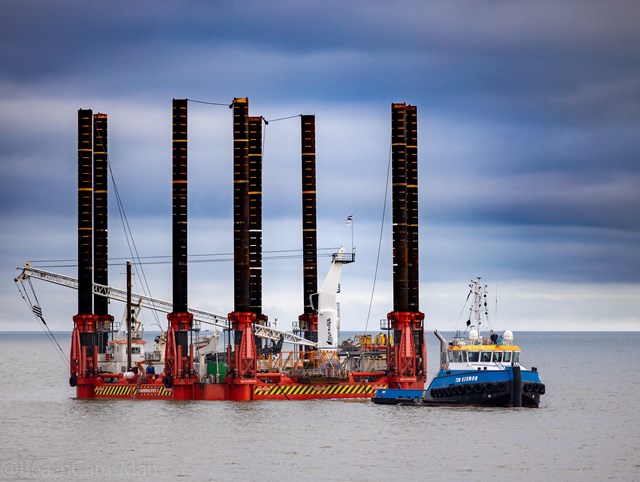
[496, 303]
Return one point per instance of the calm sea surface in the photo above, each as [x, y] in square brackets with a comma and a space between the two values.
[587, 428]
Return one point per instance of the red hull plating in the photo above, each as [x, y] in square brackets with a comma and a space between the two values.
[280, 388]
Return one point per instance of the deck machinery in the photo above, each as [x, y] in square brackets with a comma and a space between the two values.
[252, 369]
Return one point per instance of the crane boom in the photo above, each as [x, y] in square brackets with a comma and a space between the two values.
[144, 301]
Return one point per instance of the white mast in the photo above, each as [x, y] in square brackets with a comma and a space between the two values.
[479, 303]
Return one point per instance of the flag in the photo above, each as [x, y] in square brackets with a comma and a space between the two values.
[349, 219]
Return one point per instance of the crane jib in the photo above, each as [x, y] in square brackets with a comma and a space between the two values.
[208, 318]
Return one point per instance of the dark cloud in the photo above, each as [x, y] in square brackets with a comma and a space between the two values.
[549, 253]
[528, 116]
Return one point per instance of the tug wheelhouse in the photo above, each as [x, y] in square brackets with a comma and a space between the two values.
[475, 370]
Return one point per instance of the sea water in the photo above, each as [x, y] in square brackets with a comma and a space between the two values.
[587, 426]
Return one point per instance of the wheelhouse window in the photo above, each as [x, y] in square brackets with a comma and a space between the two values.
[485, 357]
[516, 357]
[497, 356]
[457, 356]
[507, 357]
[474, 356]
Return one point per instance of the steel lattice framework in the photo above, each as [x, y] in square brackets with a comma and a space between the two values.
[144, 301]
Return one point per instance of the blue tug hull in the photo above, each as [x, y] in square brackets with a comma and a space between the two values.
[510, 387]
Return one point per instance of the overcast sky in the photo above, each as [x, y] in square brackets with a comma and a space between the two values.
[529, 148]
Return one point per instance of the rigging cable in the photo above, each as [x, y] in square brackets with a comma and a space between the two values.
[266, 123]
[455, 328]
[70, 263]
[35, 261]
[205, 102]
[130, 241]
[384, 210]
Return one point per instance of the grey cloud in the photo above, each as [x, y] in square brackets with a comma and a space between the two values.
[528, 121]
[551, 253]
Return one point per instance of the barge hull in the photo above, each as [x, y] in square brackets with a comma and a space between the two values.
[224, 391]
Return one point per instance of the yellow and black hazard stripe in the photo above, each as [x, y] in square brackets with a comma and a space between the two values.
[129, 390]
[349, 389]
[115, 390]
[265, 391]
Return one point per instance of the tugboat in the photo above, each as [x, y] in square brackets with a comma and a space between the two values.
[475, 370]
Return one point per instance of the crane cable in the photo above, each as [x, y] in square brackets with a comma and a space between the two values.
[36, 309]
